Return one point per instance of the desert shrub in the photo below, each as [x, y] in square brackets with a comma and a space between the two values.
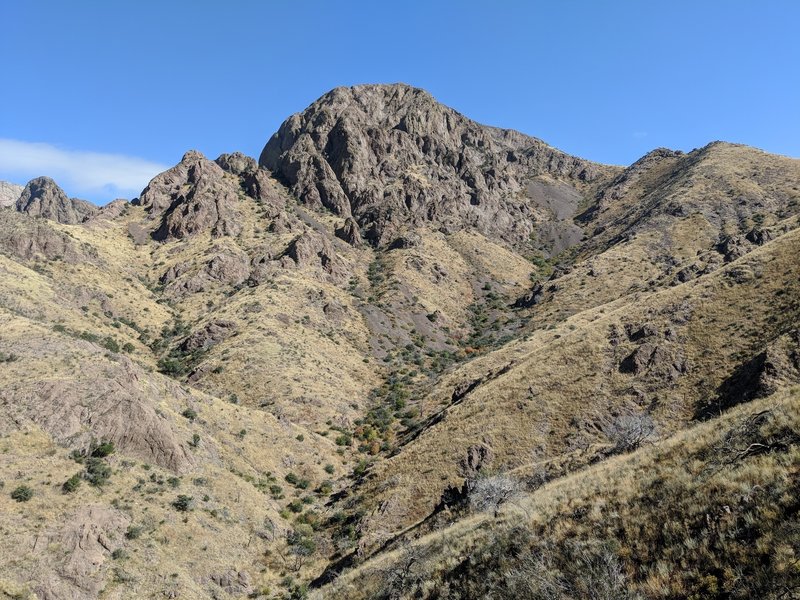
[71, 484]
[182, 503]
[109, 343]
[103, 449]
[190, 414]
[628, 432]
[97, 471]
[134, 532]
[22, 493]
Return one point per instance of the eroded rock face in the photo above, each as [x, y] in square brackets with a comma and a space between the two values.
[313, 250]
[349, 232]
[110, 402]
[194, 196]
[209, 336]
[88, 538]
[391, 156]
[43, 198]
[32, 239]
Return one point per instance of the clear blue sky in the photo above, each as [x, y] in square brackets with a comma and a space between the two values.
[607, 80]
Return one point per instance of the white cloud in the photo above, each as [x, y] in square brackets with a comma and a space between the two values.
[92, 175]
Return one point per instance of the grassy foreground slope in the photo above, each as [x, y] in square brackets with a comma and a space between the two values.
[711, 512]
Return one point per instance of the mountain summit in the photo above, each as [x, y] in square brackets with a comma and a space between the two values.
[392, 157]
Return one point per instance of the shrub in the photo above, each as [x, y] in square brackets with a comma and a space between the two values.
[109, 343]
[629, 432]
[291, 478]
[182, 503]
[22, 493]
[71, 484]
[97, 472]
[329, 469]
[190, 414]
[103, 449]
[134, 532]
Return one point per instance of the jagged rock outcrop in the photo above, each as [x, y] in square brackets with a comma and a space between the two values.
[227, 266]
[108, 401]
[9, 193]
[43, 198]
[88, 537]
[193, 196]
[391, 156]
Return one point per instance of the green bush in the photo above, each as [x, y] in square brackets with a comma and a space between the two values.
[109, 343]
[97, 472]
[103, 449]
[134, 532]
[22, 493]
[71, 484]
[182, 503]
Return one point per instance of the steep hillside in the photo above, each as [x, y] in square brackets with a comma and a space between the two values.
[707, 513]
[258, 375]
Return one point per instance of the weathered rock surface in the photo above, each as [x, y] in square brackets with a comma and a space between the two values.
[108, 401]
[349, 232]
[43, 198]
[193, 196]
[34, 239]
[9, 194]
[391, 156]
[313, 250]
[87, 538]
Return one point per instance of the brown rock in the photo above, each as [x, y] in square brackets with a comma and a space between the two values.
[192, 197]
[43, 198]
[390, 156]
[349, 232]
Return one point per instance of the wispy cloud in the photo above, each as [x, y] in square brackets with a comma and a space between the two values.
[639, 134]
[93, 175]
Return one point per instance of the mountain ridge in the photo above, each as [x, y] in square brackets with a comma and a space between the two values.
[316, 367]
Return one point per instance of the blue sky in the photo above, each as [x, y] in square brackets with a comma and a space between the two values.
[102, 95]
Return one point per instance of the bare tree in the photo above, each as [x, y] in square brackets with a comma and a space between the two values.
[629, 432]
[488, 494]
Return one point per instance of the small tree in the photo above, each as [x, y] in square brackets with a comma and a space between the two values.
[301, 543]
[489, 494]
[97, 471]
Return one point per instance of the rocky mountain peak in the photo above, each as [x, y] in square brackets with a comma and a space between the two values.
[192, 196]
[391, 157]
[42, 197]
